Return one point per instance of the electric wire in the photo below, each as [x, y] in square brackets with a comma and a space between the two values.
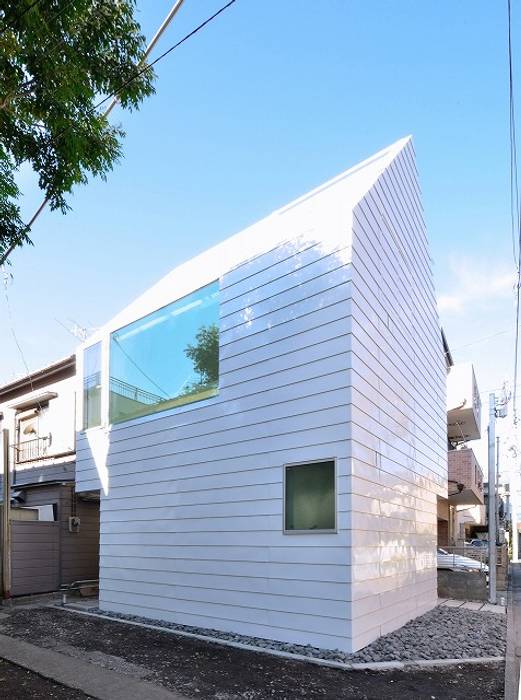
[113, 95]
[136, 365]
[515, 214]
[13, 330]
[150, 65]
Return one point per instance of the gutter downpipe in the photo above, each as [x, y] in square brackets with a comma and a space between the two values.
[492, 551]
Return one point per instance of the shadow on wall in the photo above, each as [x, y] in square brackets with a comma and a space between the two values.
[254, 316]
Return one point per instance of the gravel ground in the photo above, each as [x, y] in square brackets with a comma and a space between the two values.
[19, 684]
[209, 671]
[442, 633]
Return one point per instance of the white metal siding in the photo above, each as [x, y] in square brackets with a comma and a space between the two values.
[398, 408]
[329, 348]
[191, 528]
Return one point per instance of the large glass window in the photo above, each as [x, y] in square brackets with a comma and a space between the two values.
[310, 497]
[92, 386]
[166, 359]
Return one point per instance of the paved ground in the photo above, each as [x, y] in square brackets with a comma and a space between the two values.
[19, 684]
[198, 669]
[472, 605]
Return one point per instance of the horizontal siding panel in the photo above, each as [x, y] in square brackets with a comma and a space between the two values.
[287, 260]
[299, 271]
[236, 598]
[264, 324]
[274, 618]
[332, 641]
[264, 582]
[219, 558]
[264, 547]
[191, 466]
[287, 301]
[259, 342]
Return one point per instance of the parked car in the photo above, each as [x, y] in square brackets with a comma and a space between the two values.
[477, 543]
[446, 560]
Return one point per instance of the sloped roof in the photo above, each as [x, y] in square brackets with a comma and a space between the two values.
[349, 187]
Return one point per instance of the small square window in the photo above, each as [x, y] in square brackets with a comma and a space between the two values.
[310, 497]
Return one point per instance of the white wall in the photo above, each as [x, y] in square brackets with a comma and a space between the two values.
[191, 509]
[398, 428]
[57, 419]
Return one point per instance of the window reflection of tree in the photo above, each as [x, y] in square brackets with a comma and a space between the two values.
[204, 354]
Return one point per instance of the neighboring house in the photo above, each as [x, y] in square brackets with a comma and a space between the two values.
[462, 511]
[54, 533]
[267, 424]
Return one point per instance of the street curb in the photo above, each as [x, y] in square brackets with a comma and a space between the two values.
[93, 680]
[369, 666]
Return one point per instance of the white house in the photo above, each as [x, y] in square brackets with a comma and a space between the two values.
[267, 424]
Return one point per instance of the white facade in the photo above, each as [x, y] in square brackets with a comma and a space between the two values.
[40, 416]
[330, 349]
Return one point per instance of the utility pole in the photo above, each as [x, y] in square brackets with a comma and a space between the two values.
[495, 410]
[496, 490]
[6, 518]
[492, 498]
[513, 516]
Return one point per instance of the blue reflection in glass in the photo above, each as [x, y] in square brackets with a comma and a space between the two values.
[168, 358]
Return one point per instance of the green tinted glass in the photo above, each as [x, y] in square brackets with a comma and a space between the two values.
[310, 496]
[92, 386]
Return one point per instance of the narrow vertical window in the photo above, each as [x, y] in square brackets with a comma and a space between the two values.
[310, 497]
[92, 386]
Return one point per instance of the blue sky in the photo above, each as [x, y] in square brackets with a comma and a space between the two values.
[269, 101]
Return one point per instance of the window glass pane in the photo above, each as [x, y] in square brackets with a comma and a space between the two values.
[310, 496]
[92, 386]
[166, 359]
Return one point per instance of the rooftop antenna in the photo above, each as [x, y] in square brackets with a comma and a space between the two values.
[75, 329]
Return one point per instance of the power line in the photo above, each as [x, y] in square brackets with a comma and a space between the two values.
[515, 214]
[147, 376]
[13, 331]
[514, 185]
[164, 54]
[114, 97]
[480, 340]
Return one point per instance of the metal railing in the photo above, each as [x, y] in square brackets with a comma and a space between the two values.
[134, 392]
[32, 450]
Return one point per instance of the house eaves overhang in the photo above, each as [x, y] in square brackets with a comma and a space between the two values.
[35, 401]
[61, 369]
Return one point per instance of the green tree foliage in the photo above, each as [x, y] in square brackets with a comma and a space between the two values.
[57, 59]
[205, 355]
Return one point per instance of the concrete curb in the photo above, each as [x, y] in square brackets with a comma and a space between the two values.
[96, 681]
[370, 666]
